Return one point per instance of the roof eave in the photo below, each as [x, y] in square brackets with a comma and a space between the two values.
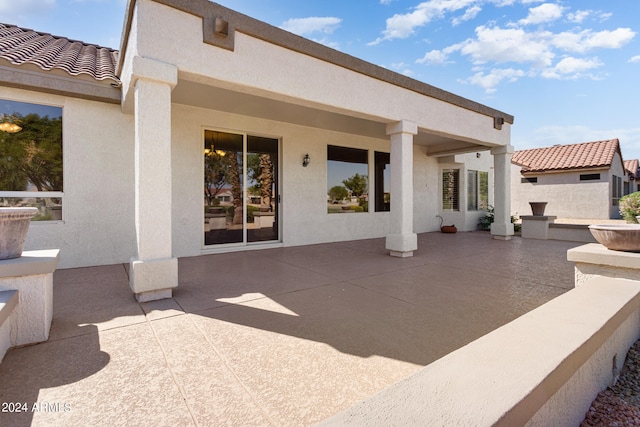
[45, 81]
[255, 28]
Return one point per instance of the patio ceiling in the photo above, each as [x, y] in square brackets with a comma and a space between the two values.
[203, 95]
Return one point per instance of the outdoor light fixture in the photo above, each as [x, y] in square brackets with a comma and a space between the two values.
[305, 160]
[478, 155]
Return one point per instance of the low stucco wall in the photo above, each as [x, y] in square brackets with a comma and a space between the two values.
[544, 368]
[544, 228]
[97, 226]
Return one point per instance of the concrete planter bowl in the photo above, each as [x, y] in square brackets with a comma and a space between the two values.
[618, 237]
[14, 226]
[537, 208]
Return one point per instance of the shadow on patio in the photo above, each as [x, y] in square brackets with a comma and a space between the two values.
[283, 336]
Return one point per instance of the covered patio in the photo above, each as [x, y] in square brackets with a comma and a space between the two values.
[282, 336]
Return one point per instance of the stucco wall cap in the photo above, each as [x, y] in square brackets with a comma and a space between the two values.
[150, 69]
[403, 126]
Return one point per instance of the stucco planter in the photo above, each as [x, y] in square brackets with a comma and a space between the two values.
[538, 208]
[618, 237]
[14, 226]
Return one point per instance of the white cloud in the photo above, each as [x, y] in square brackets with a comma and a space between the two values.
[12, 10]
[469, 14]
[587, 40]
[571, 68]
[314, 24]
[490, 81]
[544, 13]
[579, 15]
[507, 45]
[635, 58]
[434, 57]
[401, 26]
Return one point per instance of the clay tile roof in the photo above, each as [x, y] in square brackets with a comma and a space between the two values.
[21, 46]
[566, 157]
[632, 167]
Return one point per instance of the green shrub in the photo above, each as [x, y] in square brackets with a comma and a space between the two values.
[629, 206]
[486, 221]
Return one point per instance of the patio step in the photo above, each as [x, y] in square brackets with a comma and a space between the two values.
[8, 302]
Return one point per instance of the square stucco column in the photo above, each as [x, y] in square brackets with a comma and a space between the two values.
[402, 241]
[502, 228]
[154, 271]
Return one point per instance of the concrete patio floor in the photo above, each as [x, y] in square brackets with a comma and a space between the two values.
[286, 336]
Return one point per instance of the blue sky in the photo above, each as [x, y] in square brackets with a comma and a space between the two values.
[568, 70]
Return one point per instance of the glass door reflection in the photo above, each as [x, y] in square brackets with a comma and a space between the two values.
[223, 187]
[262, 181]
[240, 186]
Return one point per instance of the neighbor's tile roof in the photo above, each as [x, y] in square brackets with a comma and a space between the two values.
[21, 46]
[566, 157]
[632, 166]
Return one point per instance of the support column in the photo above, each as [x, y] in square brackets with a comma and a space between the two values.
[402, 241]
[502, 228]
[154, 271]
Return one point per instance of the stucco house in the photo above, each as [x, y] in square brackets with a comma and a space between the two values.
[200, 93]
[583, 180]
[632, 167]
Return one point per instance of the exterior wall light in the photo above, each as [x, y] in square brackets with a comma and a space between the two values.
[305, 160]
[478, 155]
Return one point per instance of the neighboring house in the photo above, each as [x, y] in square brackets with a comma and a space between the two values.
[633, 172]
[577, 181]
[200, 90]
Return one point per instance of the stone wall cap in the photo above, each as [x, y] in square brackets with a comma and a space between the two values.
[595, 253]
[31, 263]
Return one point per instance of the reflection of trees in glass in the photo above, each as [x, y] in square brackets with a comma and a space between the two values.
[483, 197]
[357, 185]
[338, 193]
[215, 174]
[33, 155]
[233, 176]
[260, 170]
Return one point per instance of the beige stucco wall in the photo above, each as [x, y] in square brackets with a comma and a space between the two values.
[97, 226]
[303, 190]
[566, 195]
[256, 67]
[464, 220]
[98, 205]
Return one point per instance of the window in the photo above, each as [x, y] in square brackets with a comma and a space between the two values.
[450, 186]
[347, 180]
[530, 180]
[477, 190]
[31, 158]
[590, 177]
[383, 178]
[616, 189]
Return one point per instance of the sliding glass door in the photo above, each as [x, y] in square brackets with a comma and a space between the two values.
[241, 188]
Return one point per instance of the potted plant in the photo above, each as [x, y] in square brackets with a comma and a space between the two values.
[629, 207]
